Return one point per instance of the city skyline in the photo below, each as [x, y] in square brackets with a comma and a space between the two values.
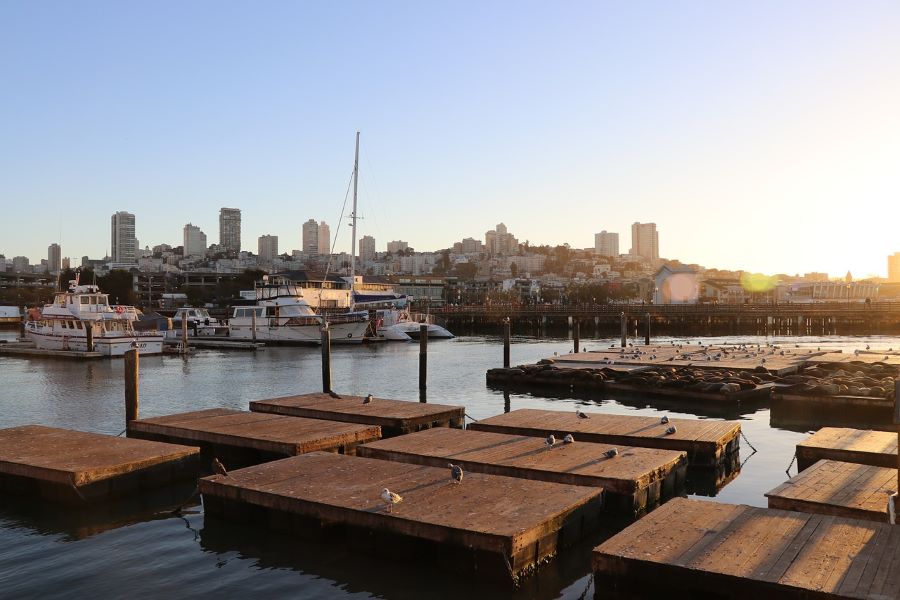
[773, 153]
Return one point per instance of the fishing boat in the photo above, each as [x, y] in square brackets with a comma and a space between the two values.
[281, 315]
[81, 319]
[199, 324]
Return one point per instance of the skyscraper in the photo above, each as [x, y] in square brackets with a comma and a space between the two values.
[54, 259]
[230, 230]
[123, 245]
[606, 243]
[310, 235]
[894, 267]
[645, 240]
[268, 249]
[367, 248]
[324, 237]
[194, 241]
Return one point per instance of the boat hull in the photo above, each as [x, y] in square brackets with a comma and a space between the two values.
[106, 345]
[341, 333]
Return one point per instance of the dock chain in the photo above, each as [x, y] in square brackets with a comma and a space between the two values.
[788, 470]
[468, 417]
[748, 441]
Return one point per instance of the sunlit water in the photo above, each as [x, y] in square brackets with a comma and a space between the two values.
[47, 552]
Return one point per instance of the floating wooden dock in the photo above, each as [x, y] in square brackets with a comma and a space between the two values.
[240, 438]
[212, 343]
[862, 446]
[79, 467]
[500, 526]
[838, 488]
[693, 548]
[867, 357]
[395, 417]
[28, 349]
[836, 401]
[708, 443]
[635, 480]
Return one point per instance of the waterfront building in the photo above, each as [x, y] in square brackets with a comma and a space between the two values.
[894, 267]
[500, 241]
[606, 243]
[324, 238]
[676, 285]
[54, 259]
[310, 236]
[20, 264]
[397, 246]
[645, 240]
[194, 241]
[268, 249]
[123, 244]
[230, 230]
[367, 248]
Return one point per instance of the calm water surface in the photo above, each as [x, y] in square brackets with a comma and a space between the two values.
[146, 552]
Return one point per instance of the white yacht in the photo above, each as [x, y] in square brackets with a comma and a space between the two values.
[64, 324]
[200, 324]
[281, 315]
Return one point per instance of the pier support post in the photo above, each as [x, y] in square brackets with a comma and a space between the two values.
[184, 334]
[576, 334]
[893, 500]
[624, 324]
[253, 328]
[326, 355]
[423, 360]
[132, 372]
[89, 335]
[647, 336]
[506, 336]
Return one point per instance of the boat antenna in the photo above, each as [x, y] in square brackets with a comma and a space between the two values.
[353, 222]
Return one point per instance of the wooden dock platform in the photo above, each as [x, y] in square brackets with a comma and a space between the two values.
[836, 401]
[212, 343]
[500, 526]
[28, 349]
[838, 488]
[240, 438]
[395, 417]
[693, 548]
[80, 467]
[862, 446]
[708, 443]
[635, 480]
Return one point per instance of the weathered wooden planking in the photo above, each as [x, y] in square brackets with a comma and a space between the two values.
[635, 479]
[518, 523]
[826, 401]
[760, 392]
[66, 465]
[395, 417]
[707, 442]
[28, 349]
[241, 438]
[692, 548]
[863, 446]
[868, 357]
[838, 488]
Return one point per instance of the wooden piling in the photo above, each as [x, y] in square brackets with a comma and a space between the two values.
[576, 335]
[647, 336]
[624, 324]
[326, 357]
[506, 336]
[423, 356]
[253, 328]
[89, 333]
[132, 372]
[184, 334]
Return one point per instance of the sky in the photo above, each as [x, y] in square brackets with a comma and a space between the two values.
[759, 135]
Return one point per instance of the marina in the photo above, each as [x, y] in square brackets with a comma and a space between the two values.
[866, 447]
[241, 438]
[633, 479]
[327, 490]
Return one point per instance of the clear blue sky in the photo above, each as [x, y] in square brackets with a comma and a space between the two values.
[757, 135]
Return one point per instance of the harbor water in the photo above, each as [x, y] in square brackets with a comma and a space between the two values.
[150, 552]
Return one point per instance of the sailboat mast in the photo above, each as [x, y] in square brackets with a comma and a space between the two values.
[353, 221]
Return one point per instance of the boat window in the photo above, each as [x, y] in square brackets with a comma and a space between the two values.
[85, 299]
[78, 325]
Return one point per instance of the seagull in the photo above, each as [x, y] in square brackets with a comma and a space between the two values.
[611, 453]
[580, 414]
[569, 439]
[550, 441]
[867, 346]
[218, 468]
[368, 399]
[390, 498]
[456, 473]
[664, 420]
[333, 394]
[671, 430]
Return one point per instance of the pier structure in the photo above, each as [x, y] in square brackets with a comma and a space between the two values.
[860, 446]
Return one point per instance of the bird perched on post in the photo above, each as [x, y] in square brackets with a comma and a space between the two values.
[333, 394]
[456, 473]
[390, 498]
[368, 399]
[664, 420]
[569, 439]
[218, 468]
[580, 414]
[611, 453]
[550, 441]
[671, 430]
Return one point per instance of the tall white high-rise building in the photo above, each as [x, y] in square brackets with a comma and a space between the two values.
[367, 248]
[230, 230]
[324, 238]
[194, 241]
[123, 244]
[645, 240]
[54, 259]
[268, 249]
[606, 243]
[500, 241]
[397, 246]
[310, 237]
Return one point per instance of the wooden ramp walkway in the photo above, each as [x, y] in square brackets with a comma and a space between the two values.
[240, 438]
[634, 480]
[497, 525]
[692, 548]
[863, 446]
[838, 488]
[395, 417]
[708, 443]
[78, 467]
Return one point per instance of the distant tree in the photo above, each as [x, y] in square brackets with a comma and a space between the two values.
[465, 271]
[514, 269]
[118, 284]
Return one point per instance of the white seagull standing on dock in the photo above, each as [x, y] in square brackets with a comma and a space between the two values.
[671, 430]
[456, 473]
[368, 399]
[580, 414]
[611, 453]
[569, 439]
[664, 419]
[550, 441]
[390, 498]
